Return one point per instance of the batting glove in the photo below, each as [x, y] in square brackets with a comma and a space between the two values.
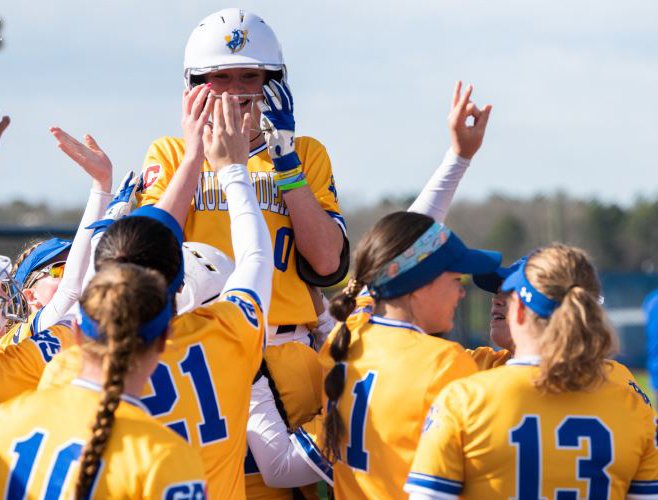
[121, 205]
[278, 124]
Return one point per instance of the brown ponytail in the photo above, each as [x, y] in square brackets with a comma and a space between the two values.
[120, 298]
[577, 338]
[389, 237]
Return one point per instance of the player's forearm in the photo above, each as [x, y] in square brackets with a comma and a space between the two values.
[279, 462]
[317, 237]
[77, 262]
[179, 193]
[250, 237]
[435, 198]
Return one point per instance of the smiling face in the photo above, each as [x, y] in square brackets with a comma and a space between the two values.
[245, 82]
[498, 327]
[433, 305]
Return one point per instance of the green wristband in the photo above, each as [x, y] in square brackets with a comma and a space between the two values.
[294, 185]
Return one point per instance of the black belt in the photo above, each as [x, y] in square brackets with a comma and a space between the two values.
[285, 329]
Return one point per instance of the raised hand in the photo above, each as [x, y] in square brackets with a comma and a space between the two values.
[278, 123]
[4, 123]
[464, 139]
[89, 156]
[197, 106]
[226, 141]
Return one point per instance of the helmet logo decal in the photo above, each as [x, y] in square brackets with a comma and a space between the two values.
[236, 40]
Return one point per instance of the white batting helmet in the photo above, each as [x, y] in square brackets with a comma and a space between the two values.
[232, 38]
[206, 272]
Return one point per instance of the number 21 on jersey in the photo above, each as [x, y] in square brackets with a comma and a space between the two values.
[194, 366]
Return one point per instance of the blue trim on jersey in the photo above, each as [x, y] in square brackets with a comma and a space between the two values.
[257, 150]
[338, 219]
[379, 320]
[643, 488]
[435, 483]
[311, 450]
[93, 386]
[249, 292]
[530, 360]
[35, 321]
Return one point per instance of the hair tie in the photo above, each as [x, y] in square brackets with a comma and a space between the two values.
[353, 287]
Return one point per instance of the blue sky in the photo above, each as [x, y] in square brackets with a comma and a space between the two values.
[573, 86]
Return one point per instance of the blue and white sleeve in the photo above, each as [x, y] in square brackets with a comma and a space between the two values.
[278, 460]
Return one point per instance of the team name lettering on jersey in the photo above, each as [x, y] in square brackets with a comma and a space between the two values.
[209, 195]
[247, 309]
[47, 344]
[192, 490]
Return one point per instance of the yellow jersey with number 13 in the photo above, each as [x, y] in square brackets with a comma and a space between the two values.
[494, 435]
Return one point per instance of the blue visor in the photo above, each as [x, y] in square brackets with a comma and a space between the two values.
[531, 297]
[148, 331]
[491, 282]
[39, 257]
[163, 217]
[436, 251]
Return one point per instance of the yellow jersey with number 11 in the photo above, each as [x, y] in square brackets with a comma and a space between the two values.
[393, 371]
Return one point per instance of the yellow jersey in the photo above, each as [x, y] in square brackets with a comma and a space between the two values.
[208, 219]
[20, 331]
[21, 365]
[297, 374]
[39, 456]
[202, 384]
[494, 435]
[393, 372]
[485, 357]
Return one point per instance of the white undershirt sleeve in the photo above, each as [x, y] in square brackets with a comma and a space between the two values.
[252, 247]
[278, 460]
[435, 198]
[70, 287]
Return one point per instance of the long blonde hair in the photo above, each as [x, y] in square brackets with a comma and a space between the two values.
[577, 338]
[120, 298]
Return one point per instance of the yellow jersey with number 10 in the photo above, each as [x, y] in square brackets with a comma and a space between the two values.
[39, 456]
[208, 219]
[494, 435]
[393, 371]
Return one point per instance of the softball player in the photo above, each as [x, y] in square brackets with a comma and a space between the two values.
[39, 270]
[201, 387]
[126, 453]
[549, 409]
[237, 52]
[381, 368]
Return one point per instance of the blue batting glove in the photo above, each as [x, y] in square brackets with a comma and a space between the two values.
[121, 205]
[278, 124]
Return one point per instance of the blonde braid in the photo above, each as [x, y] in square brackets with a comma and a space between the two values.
[120, 298]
